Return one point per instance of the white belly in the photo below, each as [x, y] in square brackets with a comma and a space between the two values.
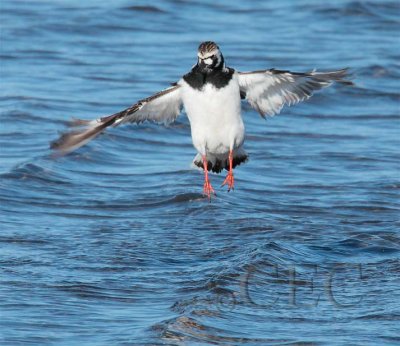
[215, 117]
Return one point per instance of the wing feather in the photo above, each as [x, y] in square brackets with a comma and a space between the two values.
[267, 91]
[162, 107]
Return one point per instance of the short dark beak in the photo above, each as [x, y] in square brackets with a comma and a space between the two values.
[201, 63]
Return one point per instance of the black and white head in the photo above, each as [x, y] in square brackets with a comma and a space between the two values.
[210, 57]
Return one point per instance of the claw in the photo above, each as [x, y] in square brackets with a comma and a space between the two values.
[229, 177]
[208, 189]
[230, 180]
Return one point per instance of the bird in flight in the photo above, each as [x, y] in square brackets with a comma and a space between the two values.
[211, 95]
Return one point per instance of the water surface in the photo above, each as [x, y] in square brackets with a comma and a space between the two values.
[115, 244]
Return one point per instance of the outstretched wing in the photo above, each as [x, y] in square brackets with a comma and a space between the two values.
[268, 91]
[162, 107]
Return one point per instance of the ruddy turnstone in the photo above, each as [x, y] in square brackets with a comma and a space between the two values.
[211, 94]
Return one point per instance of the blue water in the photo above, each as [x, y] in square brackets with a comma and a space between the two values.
[116, 245]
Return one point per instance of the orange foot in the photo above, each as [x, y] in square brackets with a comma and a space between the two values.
[208, 189]
[230, 181]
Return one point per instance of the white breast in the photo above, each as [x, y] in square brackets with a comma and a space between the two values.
[215, 116]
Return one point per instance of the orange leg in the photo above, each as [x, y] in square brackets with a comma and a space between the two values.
[229, 177]
[207, 189]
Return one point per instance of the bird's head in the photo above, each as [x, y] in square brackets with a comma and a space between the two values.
[209, 57]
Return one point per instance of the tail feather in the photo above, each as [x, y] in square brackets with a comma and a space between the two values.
[87, 130]
[216, 163]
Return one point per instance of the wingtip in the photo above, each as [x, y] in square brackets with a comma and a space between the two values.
[348, 75]
[341, 76]
[65, 143]
[86, 131]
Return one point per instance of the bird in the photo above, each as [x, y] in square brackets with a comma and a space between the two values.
[211, 94]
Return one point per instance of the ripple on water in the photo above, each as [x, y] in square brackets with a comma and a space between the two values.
[115, 243]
